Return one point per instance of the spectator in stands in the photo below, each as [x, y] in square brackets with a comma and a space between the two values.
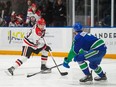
[46, 6]
[59, 13]
[29, 3]
[12, 20]
[5, 11]
[33, 12]
[1, 8]
[19, 22]
[3, 23]
[107, 20]
[19, 6]
[16, 20]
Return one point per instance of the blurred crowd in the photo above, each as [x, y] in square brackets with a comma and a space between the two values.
[25, 13]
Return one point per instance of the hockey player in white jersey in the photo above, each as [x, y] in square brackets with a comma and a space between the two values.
[33, 43]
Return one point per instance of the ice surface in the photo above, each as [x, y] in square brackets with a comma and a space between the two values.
[53, 79]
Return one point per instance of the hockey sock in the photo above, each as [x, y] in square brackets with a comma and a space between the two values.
[44, 56]
[84, 67]
[20, 61]
[99, 71]
[44, 59]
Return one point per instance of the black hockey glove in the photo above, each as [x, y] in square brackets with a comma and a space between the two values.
[48, 48]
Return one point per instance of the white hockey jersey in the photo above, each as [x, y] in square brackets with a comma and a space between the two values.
[33, 38]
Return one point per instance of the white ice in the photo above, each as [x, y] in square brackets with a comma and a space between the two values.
[53, 79]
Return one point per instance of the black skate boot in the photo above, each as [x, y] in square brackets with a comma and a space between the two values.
[10, 70]
[103, 78]
[45, 69]
[87, 78]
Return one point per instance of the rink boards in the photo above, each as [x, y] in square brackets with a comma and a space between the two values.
[59, 39]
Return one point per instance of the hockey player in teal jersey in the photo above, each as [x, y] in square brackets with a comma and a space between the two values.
[87, 47]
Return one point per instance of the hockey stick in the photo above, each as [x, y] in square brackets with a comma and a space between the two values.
[61, 73]
[30, 75]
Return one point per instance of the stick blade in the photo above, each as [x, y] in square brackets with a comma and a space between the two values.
[30, 75]
[64, 73]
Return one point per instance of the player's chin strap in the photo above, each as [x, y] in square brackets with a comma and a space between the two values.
[61, 73]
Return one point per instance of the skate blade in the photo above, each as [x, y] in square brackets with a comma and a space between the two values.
[8, 73]
[46, 71]
[86, 83]
[101, 81]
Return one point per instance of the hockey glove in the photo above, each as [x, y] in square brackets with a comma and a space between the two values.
[48, 48]
[66, 63]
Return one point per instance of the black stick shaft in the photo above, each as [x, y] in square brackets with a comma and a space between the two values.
[55, 63]
[42, 71]
[61, 73]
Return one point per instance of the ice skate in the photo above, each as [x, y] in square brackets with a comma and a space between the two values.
[10, 71]
[87, 78]
[104, 78]
[45, 69]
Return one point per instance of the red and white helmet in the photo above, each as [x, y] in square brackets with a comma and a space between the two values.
[41, 21]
